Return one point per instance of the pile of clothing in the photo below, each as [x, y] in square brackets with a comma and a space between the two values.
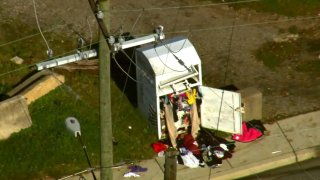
[180, 125]
[179, 114]
[207, 149]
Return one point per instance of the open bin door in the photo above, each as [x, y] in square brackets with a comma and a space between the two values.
[221, 110]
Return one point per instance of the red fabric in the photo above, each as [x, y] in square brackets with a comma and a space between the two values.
[248, 134]
[158, 147]
[190, 144]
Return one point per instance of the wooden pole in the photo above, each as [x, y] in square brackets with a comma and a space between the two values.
[105, 99]
[106, 146]
[170, 165]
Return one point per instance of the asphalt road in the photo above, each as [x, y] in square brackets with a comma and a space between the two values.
[307, 170]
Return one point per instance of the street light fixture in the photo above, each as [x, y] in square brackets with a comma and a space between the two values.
[73, 126]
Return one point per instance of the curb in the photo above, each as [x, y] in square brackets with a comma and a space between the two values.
[269, 164]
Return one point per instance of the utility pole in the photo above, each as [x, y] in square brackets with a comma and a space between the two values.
[170, 165]
[106, 146]
[106, 150]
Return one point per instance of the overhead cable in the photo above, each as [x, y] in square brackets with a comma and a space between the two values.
[164, 63]
[32, 35]
[33, 64]
[90, 169]
[125, 84]
[17, 70]
[229, 50]
[49, 51]
[90, 30]
[222, 95]
[182, 7]
[136, 21]
[187, 30]
[244, 25]
[68, 88]
[128, 75]
[131, 60]
[140, 69]
[192, 30]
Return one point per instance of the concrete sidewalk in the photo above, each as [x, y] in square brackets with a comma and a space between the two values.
[290, 140]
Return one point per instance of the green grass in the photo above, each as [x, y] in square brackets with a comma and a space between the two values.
[293, 29]
[273, 54]
[313, 45]
[303, 52]
[47, 148]
[32, 50]
[269, 59]
[312, 67]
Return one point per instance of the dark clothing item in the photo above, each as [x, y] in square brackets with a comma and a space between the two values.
[214, 149]
[207, 138]
[256, 124]
[137, 168]
[249, 133]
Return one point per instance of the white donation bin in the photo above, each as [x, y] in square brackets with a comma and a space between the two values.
[170, 72]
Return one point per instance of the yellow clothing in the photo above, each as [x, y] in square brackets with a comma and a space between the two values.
[191, 96]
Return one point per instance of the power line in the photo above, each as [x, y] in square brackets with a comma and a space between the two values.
[164, 68]
[182, 46]
[131, 61]
[181, 31]
[225, 77]
[182, 7]
[221, 98]
[16, 70]
[140, 69]
[90, 30]
[172, 52]
[68, 88]
[226, 71]
[128, 75]
[229, 50]
[244, 25]
[125, 84]
[138, 18]
[165, 63]
[186, 30]
[181, 62]
[49, 52]
[90, 169]
[22, 68]
[194, 30]
[32, 35]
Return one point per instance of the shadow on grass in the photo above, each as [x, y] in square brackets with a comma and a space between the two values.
[122, 69]
[125, 83]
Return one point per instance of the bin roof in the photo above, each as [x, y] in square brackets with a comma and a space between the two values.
[162, 56]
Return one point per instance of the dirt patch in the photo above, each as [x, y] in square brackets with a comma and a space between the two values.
[286, 91]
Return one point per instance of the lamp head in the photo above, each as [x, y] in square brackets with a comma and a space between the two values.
[73, 126]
